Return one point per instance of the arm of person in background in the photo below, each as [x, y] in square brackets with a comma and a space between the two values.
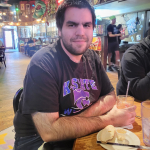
[134, 71]
[123, 37]
[113, 35]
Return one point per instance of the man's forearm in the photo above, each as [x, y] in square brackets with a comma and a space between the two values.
[114, 35]
[69, 127]
[103, 105]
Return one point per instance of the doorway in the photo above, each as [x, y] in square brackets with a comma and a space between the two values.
[9, 38]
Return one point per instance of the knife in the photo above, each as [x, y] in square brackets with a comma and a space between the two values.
[118, 144]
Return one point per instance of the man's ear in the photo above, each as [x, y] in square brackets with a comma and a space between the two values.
[59, 32]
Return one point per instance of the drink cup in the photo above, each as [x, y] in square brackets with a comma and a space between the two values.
[124, 102]
[145, 114]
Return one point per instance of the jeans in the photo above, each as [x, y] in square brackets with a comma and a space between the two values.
[33, 142]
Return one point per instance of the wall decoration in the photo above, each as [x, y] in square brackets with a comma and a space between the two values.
[22, 7]
[142, 16]
[40, 9]
[132, 38]
[96, 44]
[131, 26]
[27, 8]
[138, 37]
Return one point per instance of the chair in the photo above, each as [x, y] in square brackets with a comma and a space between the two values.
[118, 73]
[2, 55]
[17, 99]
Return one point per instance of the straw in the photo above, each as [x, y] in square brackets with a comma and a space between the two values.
[127, 89]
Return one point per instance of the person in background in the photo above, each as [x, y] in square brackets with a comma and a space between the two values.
[30, 40]
[119, 27]
[67, 93]
[147, 33]
[26, 46]
[39, 41]
[113, 45]
[30, 45]
[135, 67]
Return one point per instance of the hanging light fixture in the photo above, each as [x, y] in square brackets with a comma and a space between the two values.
[5, 4]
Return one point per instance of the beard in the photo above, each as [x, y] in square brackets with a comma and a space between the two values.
[76, 49]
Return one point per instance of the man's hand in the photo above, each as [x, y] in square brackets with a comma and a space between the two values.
[122, 117]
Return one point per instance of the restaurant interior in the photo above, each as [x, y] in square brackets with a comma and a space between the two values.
[25, 20]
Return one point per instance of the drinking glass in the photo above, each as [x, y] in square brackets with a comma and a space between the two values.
[145, 114]
[124, 102]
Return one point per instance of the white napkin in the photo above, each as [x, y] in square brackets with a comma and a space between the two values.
[130, 126]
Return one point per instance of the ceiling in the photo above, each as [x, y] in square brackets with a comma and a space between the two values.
[125, 6]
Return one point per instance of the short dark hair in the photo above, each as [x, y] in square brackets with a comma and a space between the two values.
[60, 14]
[119, 26]
[149, 24]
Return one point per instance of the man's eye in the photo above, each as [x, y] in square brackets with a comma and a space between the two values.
[71, 25]
[87, 25]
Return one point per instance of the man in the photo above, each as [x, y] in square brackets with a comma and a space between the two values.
[135, 67]
[113, 45]
[67, 93]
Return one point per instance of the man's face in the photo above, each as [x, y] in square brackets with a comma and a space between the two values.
[114, 21]
[77, 30]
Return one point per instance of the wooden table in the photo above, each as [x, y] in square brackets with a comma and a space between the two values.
[89, 142]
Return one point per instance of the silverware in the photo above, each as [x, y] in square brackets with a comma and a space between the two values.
[118, 144]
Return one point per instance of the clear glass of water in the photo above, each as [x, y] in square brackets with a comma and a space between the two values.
[145, 114]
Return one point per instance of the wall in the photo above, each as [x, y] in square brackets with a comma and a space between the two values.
[135, 31]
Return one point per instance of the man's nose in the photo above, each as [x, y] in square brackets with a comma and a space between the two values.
[80, 30]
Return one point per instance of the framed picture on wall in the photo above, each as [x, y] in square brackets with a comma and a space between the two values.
[22, 7]
[27, 8]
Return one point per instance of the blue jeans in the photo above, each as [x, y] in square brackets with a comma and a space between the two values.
[33, 142]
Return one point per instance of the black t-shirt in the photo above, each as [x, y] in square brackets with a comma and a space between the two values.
[54, 83]
[114, 30]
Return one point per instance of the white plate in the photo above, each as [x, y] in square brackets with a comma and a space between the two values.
[130, 139]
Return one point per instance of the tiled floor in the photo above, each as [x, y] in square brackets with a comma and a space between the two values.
[11, 79]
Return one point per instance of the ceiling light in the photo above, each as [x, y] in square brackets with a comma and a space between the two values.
[19, 19]
[26, 16]
[38, 20]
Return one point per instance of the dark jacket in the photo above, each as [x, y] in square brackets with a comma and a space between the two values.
[135, 67]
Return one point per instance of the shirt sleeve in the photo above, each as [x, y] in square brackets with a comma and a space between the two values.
[110, 29]
[40, 93]
[134, 71]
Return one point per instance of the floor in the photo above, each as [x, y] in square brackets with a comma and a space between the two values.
[11, 79]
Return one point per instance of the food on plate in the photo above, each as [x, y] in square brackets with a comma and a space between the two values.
[121, 134]
[106, 134]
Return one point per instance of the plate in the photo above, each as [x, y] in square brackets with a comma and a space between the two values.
[130, 139]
